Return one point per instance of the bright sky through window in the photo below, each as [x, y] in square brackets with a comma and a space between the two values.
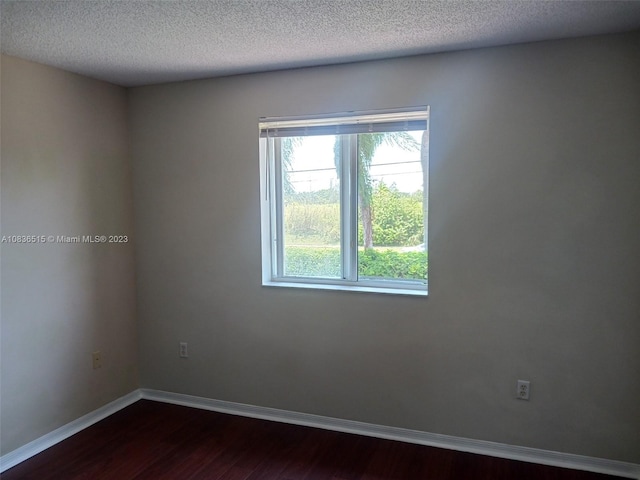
[389, 165]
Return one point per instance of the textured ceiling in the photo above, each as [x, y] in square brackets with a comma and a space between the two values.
[143, 42]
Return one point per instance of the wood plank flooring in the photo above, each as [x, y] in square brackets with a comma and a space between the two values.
[151, 440]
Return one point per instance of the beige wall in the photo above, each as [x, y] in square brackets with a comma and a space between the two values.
[65, 171]
[534, 235]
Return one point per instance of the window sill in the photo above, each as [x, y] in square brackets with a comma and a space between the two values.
[349, 288]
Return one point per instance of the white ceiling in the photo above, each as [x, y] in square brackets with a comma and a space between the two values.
[140, 42]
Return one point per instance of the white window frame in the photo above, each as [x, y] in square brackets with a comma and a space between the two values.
[271, 202]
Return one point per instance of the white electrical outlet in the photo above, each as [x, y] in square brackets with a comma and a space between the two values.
[97, 359]
[184, 353]
[523, 390]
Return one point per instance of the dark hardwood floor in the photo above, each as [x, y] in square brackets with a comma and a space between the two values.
[151, 440]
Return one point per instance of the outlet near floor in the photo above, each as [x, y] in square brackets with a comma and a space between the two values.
[97, 359]
[184, 353]
[523, 390]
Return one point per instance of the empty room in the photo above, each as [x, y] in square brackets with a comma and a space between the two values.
[320, 239]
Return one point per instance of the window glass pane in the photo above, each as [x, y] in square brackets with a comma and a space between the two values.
[311, 207]
[392, 169]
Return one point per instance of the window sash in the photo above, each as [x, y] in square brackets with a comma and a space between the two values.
[349, 207]
[271, 132]
[278, 221]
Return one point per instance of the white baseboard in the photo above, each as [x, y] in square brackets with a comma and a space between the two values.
[483, 447]
[512, 452]
[21, 454]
